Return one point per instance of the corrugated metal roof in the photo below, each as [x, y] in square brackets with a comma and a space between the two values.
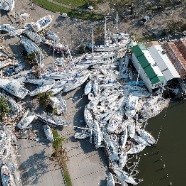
[148, 64]
[163, 62]
[175, 57]
[181, 45]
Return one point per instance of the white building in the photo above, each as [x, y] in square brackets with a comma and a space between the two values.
[147, 67]
[163, 62]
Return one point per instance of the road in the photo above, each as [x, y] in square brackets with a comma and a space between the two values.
[35, 165]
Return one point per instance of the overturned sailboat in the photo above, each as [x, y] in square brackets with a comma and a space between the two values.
[49, 121]
[48, 133]
[42, 23]
[26, 120]
[7, 177]
[41, 89]
[7, 5]
[29, 46]
[14, 88]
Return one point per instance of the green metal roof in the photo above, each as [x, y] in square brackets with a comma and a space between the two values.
[138, 52]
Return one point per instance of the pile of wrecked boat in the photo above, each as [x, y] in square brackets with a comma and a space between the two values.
[118, 108]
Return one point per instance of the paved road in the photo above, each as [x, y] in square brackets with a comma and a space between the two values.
[35, 166]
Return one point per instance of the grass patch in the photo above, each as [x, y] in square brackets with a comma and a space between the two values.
[4, 107]
[145, 38]
[66, 173]
[72, 13]
[61, 156]
[85, 15]
[74, 3]
[57, 141]
[51, 6]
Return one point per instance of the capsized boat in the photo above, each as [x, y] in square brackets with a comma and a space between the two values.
[34, 36]
[88, 118]
[26, 120]
[131, 129]
[29, 45]
[7, 177]
[82, 135]
[122, 159]
[13, 31]
[41, 89]
[124, 138]
[52, 36]
[110, 179]
[78, 81]
[49, 121]
[7, 5]
[13, 87]
[60, 121]
[4, 64]
[48, 133]
[88, 88]
[42, 23]
[98, 136]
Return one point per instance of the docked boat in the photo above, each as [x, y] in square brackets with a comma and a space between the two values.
[124, 176]
[140, 140]
[136, 149]
[146, 136]
[42, 23]
[48, 133]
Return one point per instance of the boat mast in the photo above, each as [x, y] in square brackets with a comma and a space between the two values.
[105, 31]
[117, 18]
[92, 41]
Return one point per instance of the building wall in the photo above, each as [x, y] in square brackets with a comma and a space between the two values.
[144, 76]
[142, 73]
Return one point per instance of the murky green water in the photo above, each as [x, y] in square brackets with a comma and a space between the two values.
[165, 164]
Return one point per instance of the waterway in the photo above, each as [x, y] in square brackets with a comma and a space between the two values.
[165, 164]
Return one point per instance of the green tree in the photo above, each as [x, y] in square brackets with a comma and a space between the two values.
[44, 98]
[4, 107]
